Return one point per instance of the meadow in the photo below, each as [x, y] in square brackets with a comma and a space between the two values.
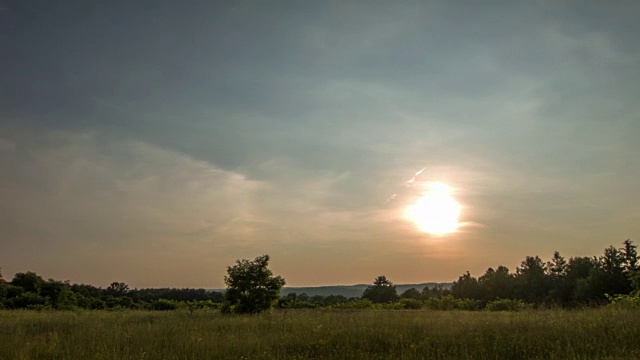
[602, 333]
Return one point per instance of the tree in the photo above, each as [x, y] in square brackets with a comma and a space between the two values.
[466, 287]
[496, 284]
[532, 285]
[117, 289]
[610, 276]
[435, 292]
[630, 254]
[251, 286]
[59, 294]
[576, 288]
[28, 281]
[412, 293]
[382, 291]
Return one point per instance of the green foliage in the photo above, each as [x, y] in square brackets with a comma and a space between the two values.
[449, 302]
[469, 304]
[604, 333]
[558, 282]
[411, 293]
[507, 305]
[410, 303]
[382, 291]
[164, 304]
[466, 287]
[293, 301]
[630, 255]
[532, 284]
[28, 281]
[436, 291]
[27, 300]
[117, 289]
[251, 286]
[634, 277]
[495, 284]
[624, 301]
[59, 294]
[358, 304]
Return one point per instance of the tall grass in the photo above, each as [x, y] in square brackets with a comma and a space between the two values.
[605, 333]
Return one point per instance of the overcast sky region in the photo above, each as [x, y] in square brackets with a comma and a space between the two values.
[156, 142]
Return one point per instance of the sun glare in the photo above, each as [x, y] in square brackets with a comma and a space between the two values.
[436, 211]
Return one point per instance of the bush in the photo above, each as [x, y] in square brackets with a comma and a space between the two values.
[27, 300]
[410, 303]
[355, 304]
[623, 301]
[507, 305]
[469, 304]
[164, 305]
[442, 303]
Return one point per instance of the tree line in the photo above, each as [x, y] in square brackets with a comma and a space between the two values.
[252, 288]
[574, 282]
[29, 290]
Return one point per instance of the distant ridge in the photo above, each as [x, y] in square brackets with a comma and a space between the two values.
[349, 291]
[353, 290]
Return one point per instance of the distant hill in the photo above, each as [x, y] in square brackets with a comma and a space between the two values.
[353, 290]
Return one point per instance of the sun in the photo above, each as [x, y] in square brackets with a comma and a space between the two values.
[436, 212]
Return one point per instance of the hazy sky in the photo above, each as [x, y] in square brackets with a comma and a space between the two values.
[156, 142]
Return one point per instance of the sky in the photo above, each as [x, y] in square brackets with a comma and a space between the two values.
[156, 142]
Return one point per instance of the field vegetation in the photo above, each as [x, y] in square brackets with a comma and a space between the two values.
[602, 333]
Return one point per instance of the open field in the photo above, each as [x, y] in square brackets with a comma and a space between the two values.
[368, 334]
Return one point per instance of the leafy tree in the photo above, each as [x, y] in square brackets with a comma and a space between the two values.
[27, 300]
[557, 267]
[634, 277]
[88, 291]
[164, 304]
[412, 293]
[436, 291]
[29, 281]
[496, 284]
[576, 288]
[630, 254]
[334, 299]
[118, 289]
[410, 303]
[3, 293]
[382, 291]
[531, 282]
[59, 294]
[611, 275]
[251, 286]
[466, 287]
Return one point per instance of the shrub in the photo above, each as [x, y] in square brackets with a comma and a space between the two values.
[469, 304]
[410, 303]
[355, 304]
[26, 300]
[507, 305]
[164, 305]
[623, 301]
[442, 303]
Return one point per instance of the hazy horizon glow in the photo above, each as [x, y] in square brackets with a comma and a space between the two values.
[156, 143]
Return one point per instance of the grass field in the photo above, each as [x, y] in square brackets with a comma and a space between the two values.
[603, 333]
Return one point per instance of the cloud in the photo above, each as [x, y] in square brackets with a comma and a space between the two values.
[7, 145]
[84, 193]
[126, 202]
